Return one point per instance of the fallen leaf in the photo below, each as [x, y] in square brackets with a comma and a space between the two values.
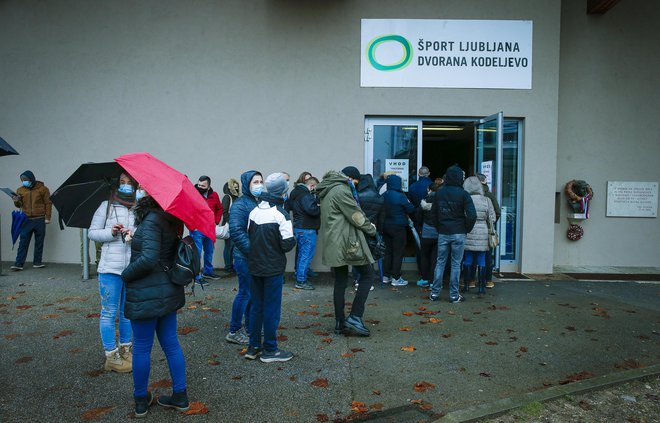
[629, 364]
[96, 413]
[328, 315]
[434, 320]
[63, 333]
[75, 350]
[12, 336]
[359, 407]
[523, 349]
[357, 350]
[308, 312]
[491, 343]
[468, 320]
[373, 322]
[93, 315]
[320, 383]
[282, 338]
[377, 406]
[405, 329]
[426, 406]
[416, 401]
[347, 355]
[321, 333]
[375, 392]
[446, 335]
[23, 360]
[409, 348]
[601, 312]
[322, 418]
[571, 328]
[407, 313]
[423, 386]
[163, 383]
[23, 307]
[185, 330]
[237, 377]
[484, 374]
[584, 405]
[327, 340]
[576, 377]
[197, 407]
[213, 362]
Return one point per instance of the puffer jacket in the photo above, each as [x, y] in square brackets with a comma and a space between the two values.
[115, 253]
[453, 209]
[239, 216]
[35, 201]
[397, 206]
[477, 238]
[371, 201]
[305, 208]
[343, 224]
[149, 291]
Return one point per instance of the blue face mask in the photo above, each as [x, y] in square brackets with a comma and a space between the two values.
[126, 189]
[256, 190]
[140, 194]
[286, 196]
[27, 184]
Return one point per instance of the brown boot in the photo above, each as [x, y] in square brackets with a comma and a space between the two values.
[126, 352]
[114, 362]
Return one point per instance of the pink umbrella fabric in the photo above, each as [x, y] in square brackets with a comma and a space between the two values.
[172, 190]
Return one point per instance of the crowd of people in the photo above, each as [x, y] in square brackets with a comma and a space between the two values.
[138, 242]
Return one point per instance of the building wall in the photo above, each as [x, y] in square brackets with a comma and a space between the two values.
[609, 103]
[219, 87]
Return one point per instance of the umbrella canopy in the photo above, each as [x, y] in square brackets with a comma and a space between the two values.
[18, 219]
[6, 149]
[80, 195]
[172, 190]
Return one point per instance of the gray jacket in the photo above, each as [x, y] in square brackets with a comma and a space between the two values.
[477, 238]
[115, 254]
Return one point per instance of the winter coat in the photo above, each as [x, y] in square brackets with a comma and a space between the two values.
[239, 216]
[230, 196]
[371, 202]
[477, 238]
[271, 237]
[149, 291]
[35, 201]
[213, 200]
[397, 206]
[115, 253]
[343, 224]
[453, 209]
[305, 208]
[424, 214]
[493, 200]
[419, 189]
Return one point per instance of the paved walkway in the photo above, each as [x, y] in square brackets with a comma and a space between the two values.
[423, 360]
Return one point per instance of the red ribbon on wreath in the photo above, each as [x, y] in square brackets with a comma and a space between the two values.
[574, 232]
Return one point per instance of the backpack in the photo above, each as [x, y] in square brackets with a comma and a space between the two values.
[186, 264]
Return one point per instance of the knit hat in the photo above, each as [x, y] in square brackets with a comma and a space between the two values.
[276, 184]
[351, 171]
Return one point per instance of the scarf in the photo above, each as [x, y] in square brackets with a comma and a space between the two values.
[353, 191]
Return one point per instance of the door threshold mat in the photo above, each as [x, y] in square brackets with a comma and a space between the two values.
[646, 277]
[510, 275]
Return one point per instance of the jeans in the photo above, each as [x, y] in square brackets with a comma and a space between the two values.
[395, 243]
[265, 310]
[428, 257]
[474, 256]
[242, 301]
[165, 328]
[228, 254]
[306, 242]
[204, 244]
[449, 246]
[341, 279]
[38, 227]
[113, 298]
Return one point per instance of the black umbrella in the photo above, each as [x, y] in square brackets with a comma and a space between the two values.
[6, 149]
[80, 195]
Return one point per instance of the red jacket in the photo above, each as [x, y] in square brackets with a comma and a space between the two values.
[213, 200]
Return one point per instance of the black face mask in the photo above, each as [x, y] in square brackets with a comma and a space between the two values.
[201, 190]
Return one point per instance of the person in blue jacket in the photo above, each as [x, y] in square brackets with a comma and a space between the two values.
[397, 209]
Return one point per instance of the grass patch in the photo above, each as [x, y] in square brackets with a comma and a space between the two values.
[533, 409]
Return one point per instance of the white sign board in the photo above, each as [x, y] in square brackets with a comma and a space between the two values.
[446, 53]
[632, 199]
[399, 167]
[487, 170]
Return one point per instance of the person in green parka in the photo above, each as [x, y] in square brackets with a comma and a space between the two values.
[345, 228]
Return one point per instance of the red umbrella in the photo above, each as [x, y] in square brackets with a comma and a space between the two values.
[172, 190]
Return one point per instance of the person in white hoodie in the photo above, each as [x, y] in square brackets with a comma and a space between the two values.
[113, 225]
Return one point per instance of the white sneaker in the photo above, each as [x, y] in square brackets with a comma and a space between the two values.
[399, 282]
[387, 279]
[357, 285]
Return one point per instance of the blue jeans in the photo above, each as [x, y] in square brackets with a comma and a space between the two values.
[265, 310]
[306, 240]
[204, 244]
[242, 301]
[474, 256]
[449, 246]
[113, 298]
[165, 328]
[228, 254]
[38, 227]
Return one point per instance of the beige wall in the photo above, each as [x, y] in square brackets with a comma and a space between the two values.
[218, 87]
[609, 104]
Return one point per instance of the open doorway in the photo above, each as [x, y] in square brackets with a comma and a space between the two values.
[448, 143]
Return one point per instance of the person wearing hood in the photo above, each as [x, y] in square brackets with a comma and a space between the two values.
[344, 227]
[371, 203]
[454, 217]
[271, 237]
[490, 254]
[204, 243]
[231, 189]
[33, 198]
[252, 185]
[397, 209]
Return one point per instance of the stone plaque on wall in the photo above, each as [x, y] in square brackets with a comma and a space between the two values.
[632, 199]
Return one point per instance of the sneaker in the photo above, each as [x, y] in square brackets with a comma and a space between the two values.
[237, 338]
[434, 297]
[422, 282]
[490, 284]
[305, 285]
[387, 279]
[38, 265]
[460, 299]
[252, 353]
[16, 268]
[399, 282]
[472, 284]
[202, 282]
[277, 355]
[212, 276]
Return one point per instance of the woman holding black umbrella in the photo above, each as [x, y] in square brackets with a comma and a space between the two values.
[111, 222]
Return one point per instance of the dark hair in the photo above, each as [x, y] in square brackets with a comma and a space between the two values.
[205, 178]
[434, 187]
[301, 178]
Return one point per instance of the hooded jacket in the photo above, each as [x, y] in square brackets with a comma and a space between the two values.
[115, 253]
[371, 201]
[477, 238]
[231, 194]
[453, 209]
[34, 200]
[343, 224]
[239, 216]
[305, 208]
[397, 206]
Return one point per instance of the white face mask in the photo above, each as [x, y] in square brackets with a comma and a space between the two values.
[140, 194]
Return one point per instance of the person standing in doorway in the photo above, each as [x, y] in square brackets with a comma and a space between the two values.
[397, 208]
[203, 242]
[418, 190]
[454, 216]
[33, 198]
[306, 223]
[490, 254]
[232, 191]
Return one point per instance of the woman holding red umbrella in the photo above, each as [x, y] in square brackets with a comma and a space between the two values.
[152, 301]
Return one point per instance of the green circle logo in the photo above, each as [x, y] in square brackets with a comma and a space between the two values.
[405, 60]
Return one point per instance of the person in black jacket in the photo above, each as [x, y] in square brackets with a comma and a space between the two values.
[271, 237]
[454, 217]
[372, 204]
[152, 301]
[397, 209]
[306, 223]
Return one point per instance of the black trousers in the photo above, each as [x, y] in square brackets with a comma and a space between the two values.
[341, 280]
[395, 243]
[428, 257]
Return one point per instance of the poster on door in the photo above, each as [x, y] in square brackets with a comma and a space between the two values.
[487, 171]
[400, 168]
